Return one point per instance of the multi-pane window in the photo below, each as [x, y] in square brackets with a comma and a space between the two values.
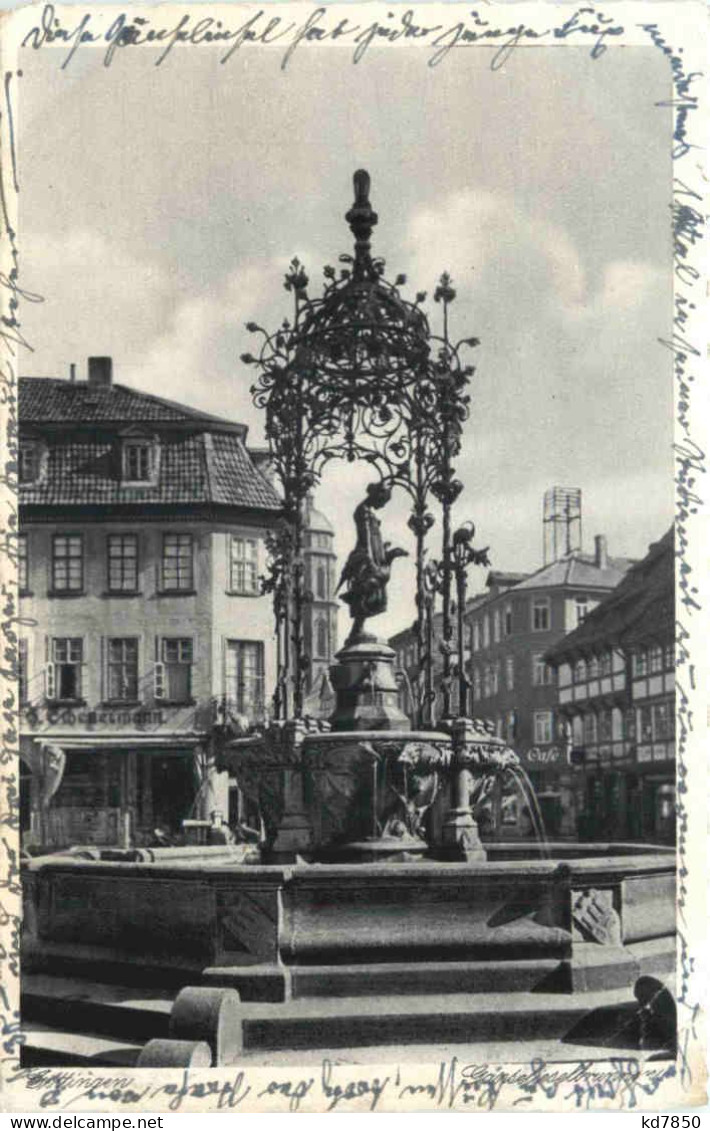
[138, 461]
[605, 663]
[28, 463]
[476, 636]
[486, 632]
[177, 562]
[663, 721]
[22, 563]
[655, 659]
[67, 563]
[495, 677]
[496, 626]
[590, 729]
[605, 726]
[669, 657]
[476, 683]
[542, 723]
[244, 677]
[580, 671]
[244, 577]
[123, 563]
[581, 608]
[64, 668]
[509, 672]
[508, 620]
[645, 724]
[541, 614]
[22, 682]
[542, 672]
[640, 662]
[173, 672]
[592, 667]
[122, 669]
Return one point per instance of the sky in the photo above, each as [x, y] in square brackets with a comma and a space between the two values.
[159, 208]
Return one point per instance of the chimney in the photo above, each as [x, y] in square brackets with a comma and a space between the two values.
[601, 554]
[72, 372]
[100, 372]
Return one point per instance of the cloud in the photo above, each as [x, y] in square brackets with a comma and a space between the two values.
[96, 293]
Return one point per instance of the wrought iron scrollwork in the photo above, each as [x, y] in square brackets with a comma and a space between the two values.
[356, 373]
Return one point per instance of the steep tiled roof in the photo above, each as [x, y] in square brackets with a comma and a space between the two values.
[235, 479]
[639, 610]
[202, 458]
[50, 400]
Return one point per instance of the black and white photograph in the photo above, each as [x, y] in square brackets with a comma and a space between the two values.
[354, 388]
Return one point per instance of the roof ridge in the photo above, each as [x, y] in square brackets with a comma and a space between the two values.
[192, 413]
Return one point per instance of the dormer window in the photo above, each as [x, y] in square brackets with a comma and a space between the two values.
[139, 459]
[29, 461]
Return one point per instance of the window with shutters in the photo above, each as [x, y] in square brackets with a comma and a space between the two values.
[178, 570]
[122, 669]
[64, 669]
[244, 566]
[122, 556]
[173, 670]
[67, 563]
[244, 678]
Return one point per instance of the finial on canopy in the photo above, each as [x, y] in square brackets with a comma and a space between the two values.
[361, 218]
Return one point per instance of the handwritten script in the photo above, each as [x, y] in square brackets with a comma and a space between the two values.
[586, 24]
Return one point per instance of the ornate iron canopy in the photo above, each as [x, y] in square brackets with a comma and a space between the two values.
[357, 374]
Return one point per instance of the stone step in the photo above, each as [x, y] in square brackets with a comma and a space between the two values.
[73, 1004]
[339, 1022]
[361, 980]
[48, 1046]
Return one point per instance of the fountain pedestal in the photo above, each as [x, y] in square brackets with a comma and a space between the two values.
[459, 834]
[365, 688]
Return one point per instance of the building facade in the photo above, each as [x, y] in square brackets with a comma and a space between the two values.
[320, 626]
[616, 689]
[142, 542]
[514, 686]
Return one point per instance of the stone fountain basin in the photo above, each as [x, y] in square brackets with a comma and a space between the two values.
[605, 911]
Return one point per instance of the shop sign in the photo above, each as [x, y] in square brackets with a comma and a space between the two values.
[540, 756]
[83, 717]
